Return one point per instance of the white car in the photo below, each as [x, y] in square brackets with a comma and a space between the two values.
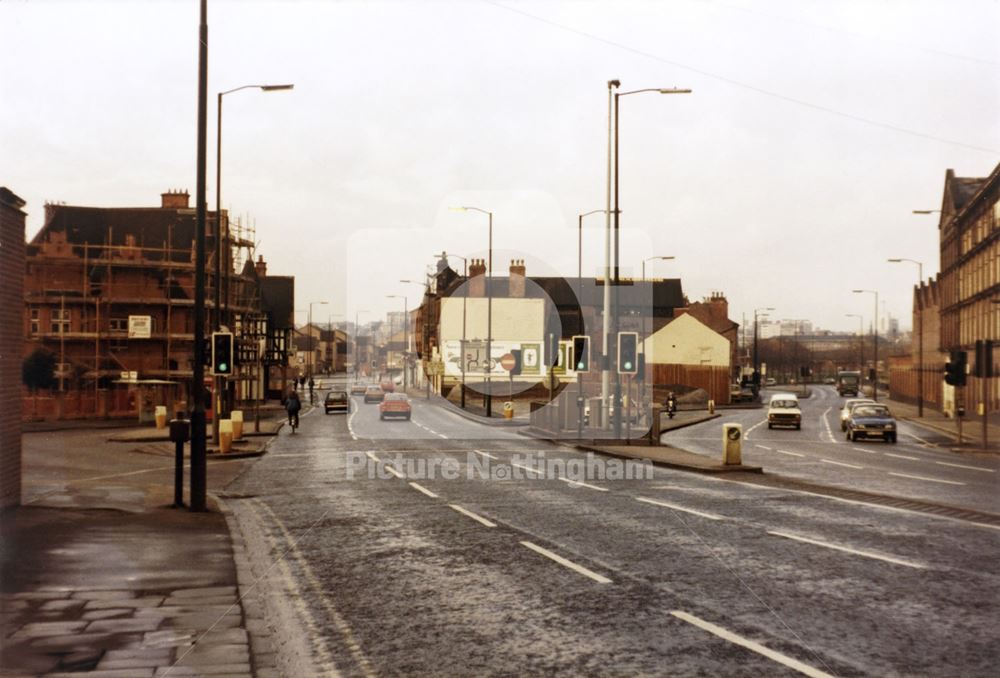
[845, 411]
[783, 410]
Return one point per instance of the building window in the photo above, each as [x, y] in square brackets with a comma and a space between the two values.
[118, 324]
[59, 320]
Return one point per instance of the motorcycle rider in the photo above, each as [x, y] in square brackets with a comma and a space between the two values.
[671, 405]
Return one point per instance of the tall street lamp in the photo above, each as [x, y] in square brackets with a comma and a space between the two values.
[579, 261]
[652, 259]
[406, 332]
[756, 335]
[920, 335]
[220, 251]
[646, 342]
[465, 296]
[617, 213]
[427, 293]
[861, 339]
[489, 307]
[312, 349]
[874, 341]
[357, 351]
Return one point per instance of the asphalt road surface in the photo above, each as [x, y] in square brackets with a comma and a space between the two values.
[921, 465]
[440, 546]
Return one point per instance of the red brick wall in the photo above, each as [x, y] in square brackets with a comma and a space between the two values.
[11, 308]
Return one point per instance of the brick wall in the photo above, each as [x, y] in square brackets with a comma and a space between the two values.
[11, 341]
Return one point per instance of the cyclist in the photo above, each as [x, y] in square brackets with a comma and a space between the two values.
[671, 405]
[293, 405]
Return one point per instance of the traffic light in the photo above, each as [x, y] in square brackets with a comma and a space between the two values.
[516, 370]
[581, 353]
[628, 358]
[222, 353]
[954, 370]
[641, 375]
[984, 358]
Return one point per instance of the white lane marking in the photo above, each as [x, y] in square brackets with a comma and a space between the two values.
[750, 645]
[350, 419]
[901, 456]
[972, 468]
[916, 437]
[484, 454]
[567, 563]
[930, 480]
[583, 484]
[428, 429]
[861, 449]
[421, 488]
[840, 463]
[848, 549]
[527, 468]
[790, 454]
[763, 447]
[393, 471]
[826, 422]
[746, 436]
[470, 514]
[710, 516]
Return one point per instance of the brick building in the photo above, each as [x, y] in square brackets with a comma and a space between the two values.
[12, 219]
[110, 293]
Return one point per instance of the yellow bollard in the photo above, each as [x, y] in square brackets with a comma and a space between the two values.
[237, 418]
[508, 410]
[161, 416]
[711, 406]
[225, 435]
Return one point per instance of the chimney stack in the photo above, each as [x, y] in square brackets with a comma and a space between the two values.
[516, 288]
[260, 266]
[477, 278]
[175, 200]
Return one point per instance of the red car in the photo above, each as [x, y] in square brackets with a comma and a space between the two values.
[388, 387]
[394, 405]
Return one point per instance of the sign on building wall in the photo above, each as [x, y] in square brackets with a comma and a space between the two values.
[140, 326]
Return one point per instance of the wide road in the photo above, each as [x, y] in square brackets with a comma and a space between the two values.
[921, 465]
[443, 547]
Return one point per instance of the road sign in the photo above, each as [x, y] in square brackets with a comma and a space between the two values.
[508, 361]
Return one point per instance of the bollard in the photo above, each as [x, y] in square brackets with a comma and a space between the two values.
[237, 417]
[225, 435]
[508, 410]
[732, 444]
[161, 416]
[655, 424]
[711, 406]
[180, 432]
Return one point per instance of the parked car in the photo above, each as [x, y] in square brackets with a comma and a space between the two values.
[358, 388]
[374, 394]
[783, 410]
[394, 405]
[337, 401]
[770, 381]
[741, 394]
[871, 420]
[845, 411]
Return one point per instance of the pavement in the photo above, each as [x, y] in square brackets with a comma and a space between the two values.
[972, 427]
[101, 576]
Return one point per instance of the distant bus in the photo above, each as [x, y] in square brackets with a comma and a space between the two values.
[848, 383]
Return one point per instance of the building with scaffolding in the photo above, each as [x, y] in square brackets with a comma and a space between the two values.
[110, 293]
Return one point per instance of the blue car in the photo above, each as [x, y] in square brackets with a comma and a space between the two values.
[871, 421]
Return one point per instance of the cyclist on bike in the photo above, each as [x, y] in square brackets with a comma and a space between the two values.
[293, 405]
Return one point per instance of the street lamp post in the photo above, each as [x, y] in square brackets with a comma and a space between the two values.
[874, 341]
[465, 296]
[861, 339]
[920, 336]
[222, 250]
[579, 261]
[651, 259]
[406, 332]
[617, 214]
[756, 334]
[427, 293]
[357, 350]
[646, 341]
[489, 308]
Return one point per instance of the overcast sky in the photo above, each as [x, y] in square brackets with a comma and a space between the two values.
[785, 179]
